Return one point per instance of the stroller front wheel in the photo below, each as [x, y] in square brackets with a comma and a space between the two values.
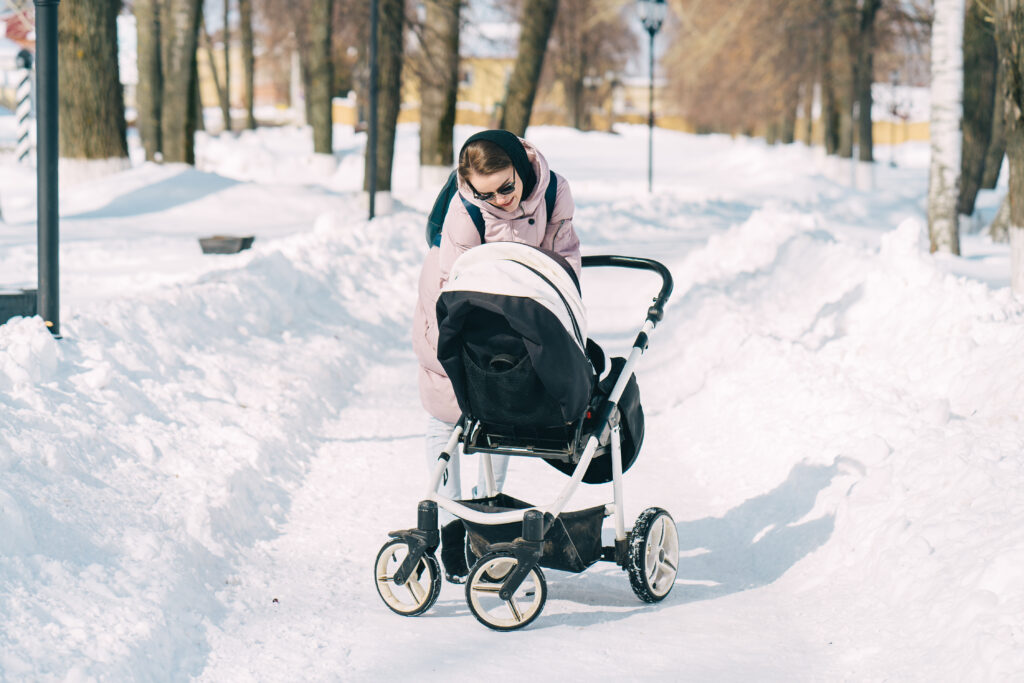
[419, 592]
[485, 582]
[653, 555]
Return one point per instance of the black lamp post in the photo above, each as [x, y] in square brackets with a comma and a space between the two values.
[45, 300]
[47, 150]
[652, 14]
[371, 130]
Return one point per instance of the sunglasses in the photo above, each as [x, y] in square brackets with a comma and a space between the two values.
[505, 190]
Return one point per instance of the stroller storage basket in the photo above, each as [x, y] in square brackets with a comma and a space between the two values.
[571, 544]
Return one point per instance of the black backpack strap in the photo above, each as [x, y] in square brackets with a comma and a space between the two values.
[435, 221]
[475, 214]
[550, 193]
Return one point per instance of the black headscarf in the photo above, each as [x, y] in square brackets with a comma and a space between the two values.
[509, 142]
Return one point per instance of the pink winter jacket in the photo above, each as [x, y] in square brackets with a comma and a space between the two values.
[528, 224]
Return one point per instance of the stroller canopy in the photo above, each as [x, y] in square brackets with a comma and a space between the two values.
[512, 336]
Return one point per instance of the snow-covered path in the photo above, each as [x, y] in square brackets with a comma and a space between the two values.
[197, 479]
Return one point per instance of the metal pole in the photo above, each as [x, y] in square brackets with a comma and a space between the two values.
[47, 151]
[371, 133]
[650, 121]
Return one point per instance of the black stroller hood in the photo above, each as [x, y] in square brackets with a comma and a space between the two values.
[512, 336]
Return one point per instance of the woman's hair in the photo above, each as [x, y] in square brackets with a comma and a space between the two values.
[482, 157]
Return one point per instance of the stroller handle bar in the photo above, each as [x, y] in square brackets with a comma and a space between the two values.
[657, 309]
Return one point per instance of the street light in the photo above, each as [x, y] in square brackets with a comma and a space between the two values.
[652, 14]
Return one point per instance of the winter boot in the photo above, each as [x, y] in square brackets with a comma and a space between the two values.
[453, 552]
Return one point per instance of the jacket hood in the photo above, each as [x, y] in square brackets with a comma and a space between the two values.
[529, 164]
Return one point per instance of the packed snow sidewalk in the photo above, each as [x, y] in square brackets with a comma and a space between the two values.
[195, 480]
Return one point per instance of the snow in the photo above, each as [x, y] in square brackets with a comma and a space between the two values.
[195, 480]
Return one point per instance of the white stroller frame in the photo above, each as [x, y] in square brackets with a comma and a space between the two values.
[649, 552]
[558, 505]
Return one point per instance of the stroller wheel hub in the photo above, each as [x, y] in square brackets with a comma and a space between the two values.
[500, 606]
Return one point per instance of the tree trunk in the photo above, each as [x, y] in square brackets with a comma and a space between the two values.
[91, 98]
[248, 61]
[307, 84]
[389, 95]
[865, 79]
[150, 85]
[845, 71]
[1010, 40]
[809, 112]
[997, 139]
[222, 93]
[788, 124]
[195, 120]
[829, 110]
[999, 230]
[1016, 201]
[575, 102]
[321, 76]
[846, 120]
[438, 90]
[535, 27]
[865, 124]
[179, 22]
[944, 125]
[980, 66]
[227, 68]
[197, 98]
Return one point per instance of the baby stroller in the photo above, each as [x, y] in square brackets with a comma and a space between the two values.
[513, 340]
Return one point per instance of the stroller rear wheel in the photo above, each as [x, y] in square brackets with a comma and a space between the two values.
[653, 555]
[484, 583]
[416, 595]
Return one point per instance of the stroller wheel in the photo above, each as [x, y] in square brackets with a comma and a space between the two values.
[653, 555]
[419, 593]
[485, 580]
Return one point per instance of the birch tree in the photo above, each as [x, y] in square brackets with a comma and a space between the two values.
[944, 125]
[1009, 17]
[536, 21]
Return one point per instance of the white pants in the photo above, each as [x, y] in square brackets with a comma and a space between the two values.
[437, 435]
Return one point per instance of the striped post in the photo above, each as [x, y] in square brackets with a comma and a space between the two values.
[24, 109]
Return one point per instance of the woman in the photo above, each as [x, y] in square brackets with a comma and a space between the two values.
[506, 178]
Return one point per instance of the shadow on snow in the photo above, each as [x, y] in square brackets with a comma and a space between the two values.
[188, 186]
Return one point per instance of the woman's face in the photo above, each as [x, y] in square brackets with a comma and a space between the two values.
[502, 189]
